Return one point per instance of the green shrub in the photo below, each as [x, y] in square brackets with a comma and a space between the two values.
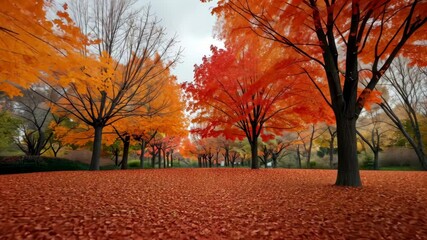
[313, 164]
[134, 164]
[24, 164]
[367, 162]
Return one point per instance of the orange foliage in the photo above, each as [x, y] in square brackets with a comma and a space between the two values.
[34, 44]
[168, 117]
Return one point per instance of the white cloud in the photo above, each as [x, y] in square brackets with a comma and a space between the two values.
[192, 22]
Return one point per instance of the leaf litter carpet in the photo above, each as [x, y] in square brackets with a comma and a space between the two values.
[212, 204]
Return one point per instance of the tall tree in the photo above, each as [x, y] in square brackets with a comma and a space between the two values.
[238, 95]
[142, 128]
[36, 116]
[407, 86]
[116, 77]
[337, 36]
[34, 43]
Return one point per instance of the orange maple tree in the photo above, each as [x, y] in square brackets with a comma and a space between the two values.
[241, 94]
[34, 43]
[168, 119]
[116, 77]
[337, 37]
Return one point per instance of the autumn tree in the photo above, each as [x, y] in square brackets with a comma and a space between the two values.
[307, 139]
[142, 128]
[237, 95]
[36, 116]
[337, 36]
[277, 148]
[34, 43]
[407, 86]
[188, 149]
[327, 140]
[114, 78]
[373, 128]
[8, 129]
[265, 155]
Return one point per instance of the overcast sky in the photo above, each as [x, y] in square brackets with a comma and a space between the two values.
[192, 22]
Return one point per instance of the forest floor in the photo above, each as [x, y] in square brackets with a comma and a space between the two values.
[212, 204]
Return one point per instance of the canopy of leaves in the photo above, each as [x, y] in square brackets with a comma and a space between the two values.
[235, 92]
[36, 39]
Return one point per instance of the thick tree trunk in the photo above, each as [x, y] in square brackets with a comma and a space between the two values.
[274, 159]
[96, 152]
[254, 153]
[116, 157]
[126, 145]
[141, 157]
[348, 165]
[376, 160]
[199, 160]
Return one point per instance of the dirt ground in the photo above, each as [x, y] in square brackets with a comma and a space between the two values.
[212, 204]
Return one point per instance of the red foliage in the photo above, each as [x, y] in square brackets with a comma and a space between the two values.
[241, 94]
[212, 204]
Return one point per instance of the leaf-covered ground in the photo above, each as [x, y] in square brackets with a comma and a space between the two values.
[212, 204]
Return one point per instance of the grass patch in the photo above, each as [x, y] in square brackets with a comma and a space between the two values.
[400, 168]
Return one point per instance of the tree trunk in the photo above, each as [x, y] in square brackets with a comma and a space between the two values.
[331, 152]
[348, 165]
[39, 145]
[141, 157]
[96, 152]
[254, 153]
[298, 158]
[376, 160]
[199, 160]
[310, 146]
[274, 159]
[167, 159]
[164, 159]
[159, 157]
[153, 157]
[421, 157]
[226, 157]
[171, 157]
[126, 145]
